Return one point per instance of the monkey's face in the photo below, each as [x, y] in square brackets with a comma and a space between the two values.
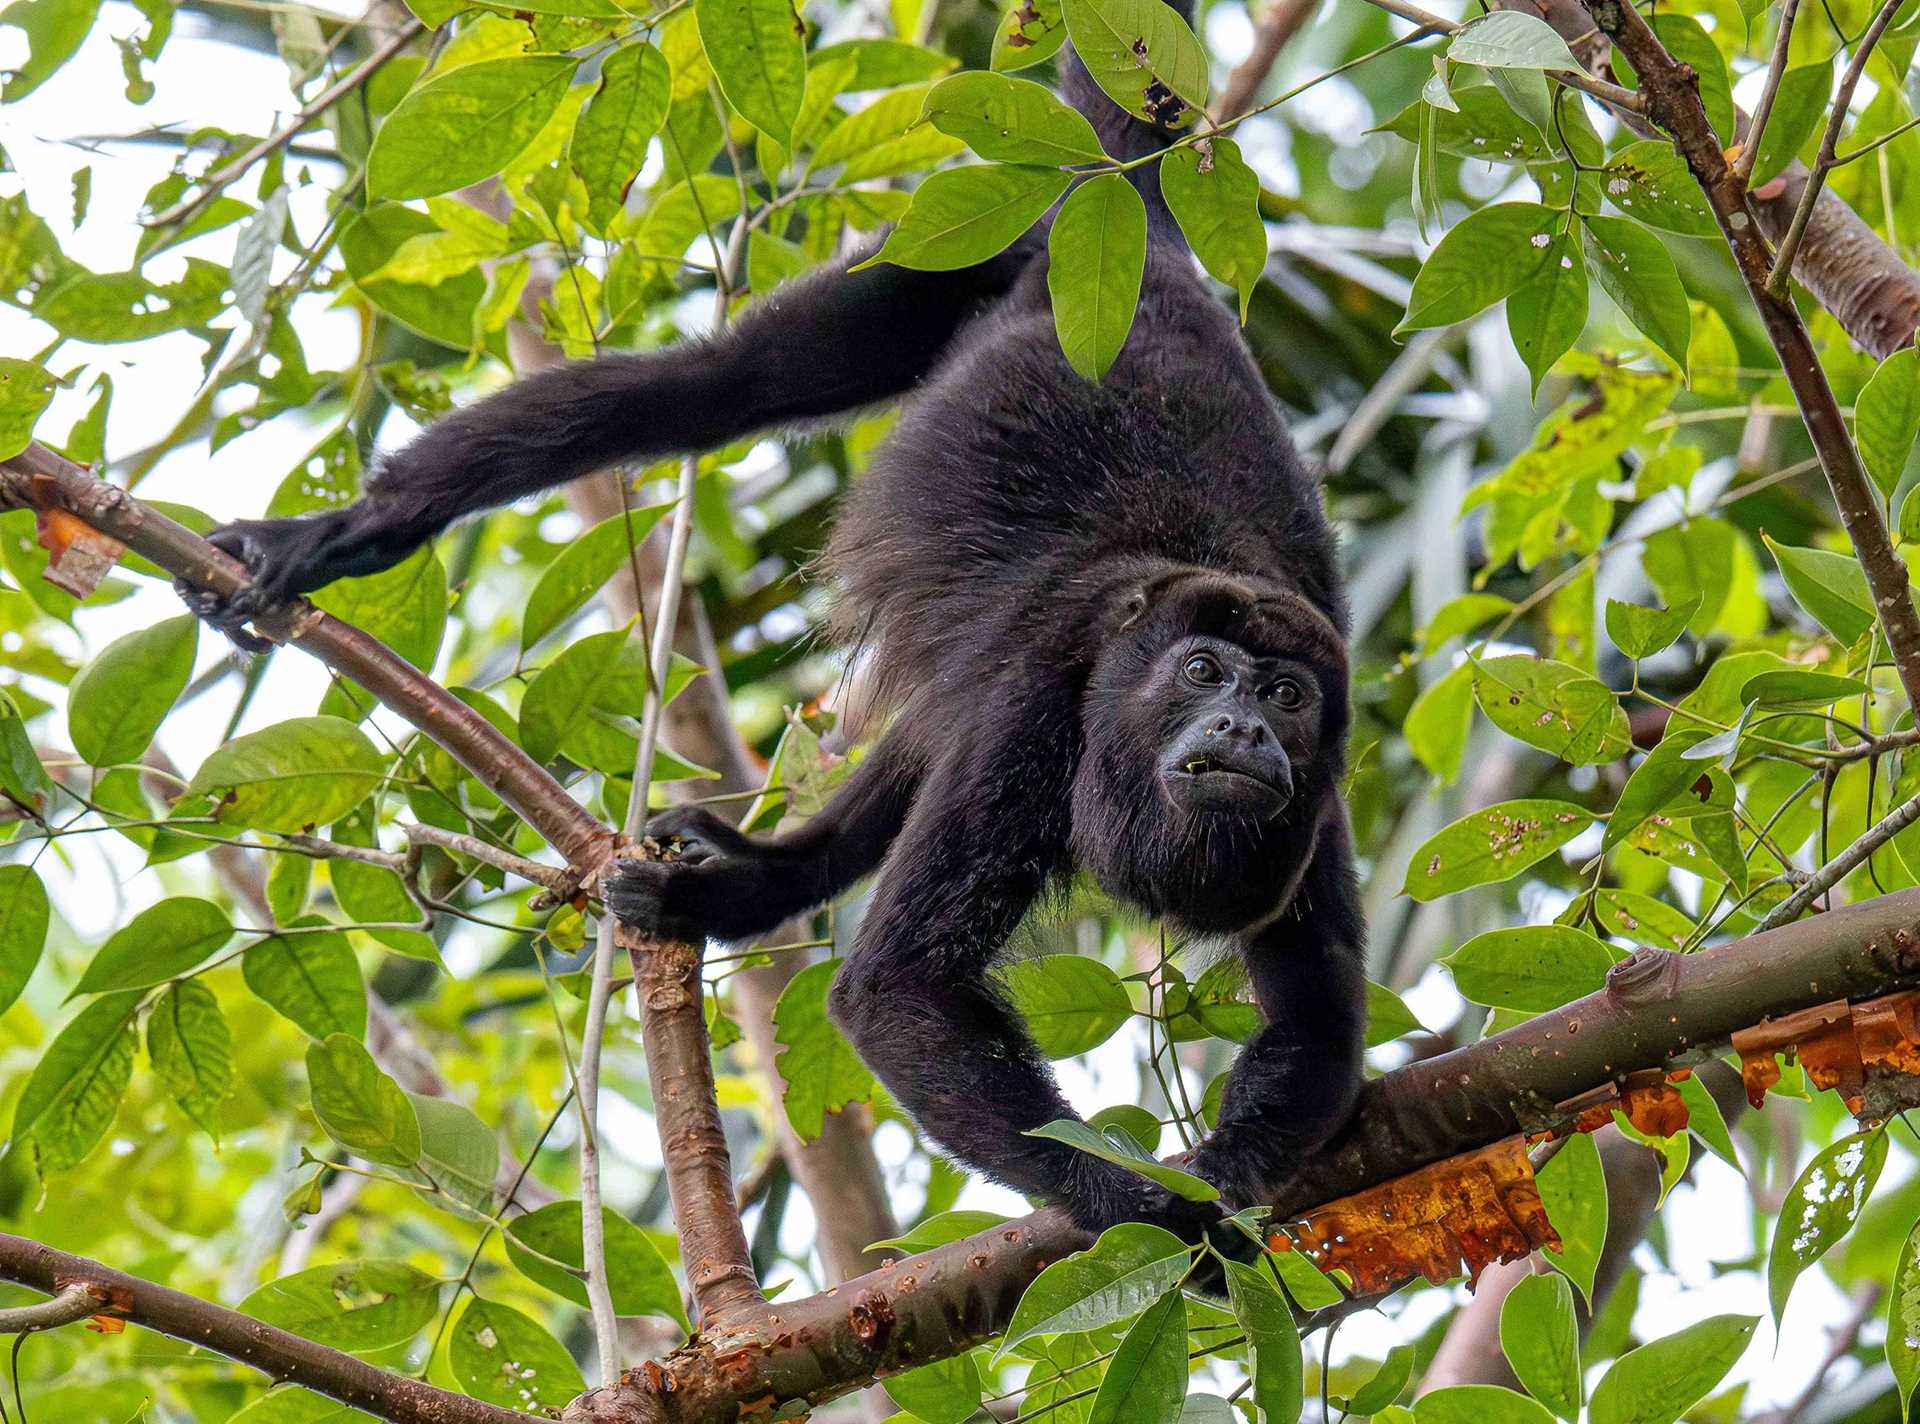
[1235, 725]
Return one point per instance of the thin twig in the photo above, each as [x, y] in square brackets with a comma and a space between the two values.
[1282, 21]
[222, 178]
[1612, 94]
[74, 1303]
[1843, 864]
[1829, 144]
[1776, 71]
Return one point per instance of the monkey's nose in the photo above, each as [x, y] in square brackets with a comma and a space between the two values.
[1249, 729]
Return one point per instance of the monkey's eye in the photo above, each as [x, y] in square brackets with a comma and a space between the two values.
[1287, 694]
[1203, 670]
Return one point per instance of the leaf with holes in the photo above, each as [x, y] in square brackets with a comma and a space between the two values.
[1144, 55]
[1821, 1207]
[1554, 707]
[354, 1305]
[1492, 845]
[499, 1355]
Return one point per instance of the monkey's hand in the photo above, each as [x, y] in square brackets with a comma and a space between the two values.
[719, 887]
[286, 558]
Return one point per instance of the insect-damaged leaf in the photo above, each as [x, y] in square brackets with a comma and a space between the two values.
[1903, 1321]
[355, 1305]
[1491, 845]
[610, 140]
[1097, 253]
[1143, 55]
[1552, 706]
[1649, 181]
[1030, 31]
[499, 1355]
[304, 772]
[1131, 1265]
[1547, 312]
[1821, 1206]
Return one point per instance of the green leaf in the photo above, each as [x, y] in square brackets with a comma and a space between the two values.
[1508, 39]
[639, 1279]
[1123, 1151]
[360, 1107]
[24, 916]
[562, 695]
[1130, 1266]
[1492, 845]
[1541, 1340]
[1011, 120]
[1675, 1151]
[1641, 632]
[161, 941]
[55, 30]
[1820, 1209]
[610, 139]
[405, 607]
[1478, 1403]
[466, 125]
[291, 1404]
[582, 568]
[26, 389]
[1030, 32]
[119, 699]
[1386, 1385]
[1531, 968]
[822, 1071]
[1829, 586]
[1143, 55]
[1484, 257]
[1664, 1378]
[1483, 126]
[1798, 107]
[961, 216]
[1811, 689]
[1688, 41]
[354, 1305]
[1388, 1016]
[1215, 198]
[1272, 1344]
[372, 894]
[75, 1089]
[1547, 312]
[192, 1051]
[503, 1357]
[1634, 266]
[1439, 721]
[1147, 1377]
[1654, 785]
[1070, 1003]
[293, 775]
[1651, 182]
[458, 1152]
[939, 1229]
[759, 54]
[1642, 919]
[1903, 1322]
[1097, 253]
[1573, 1189]
[1886, 418]
[442, 313]
[1554, 707]
[944, 1392]
[312, 979]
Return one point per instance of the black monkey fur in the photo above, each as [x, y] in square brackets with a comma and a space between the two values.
[1108, 621]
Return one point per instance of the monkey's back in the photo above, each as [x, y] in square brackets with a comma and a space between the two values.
[1014, 493]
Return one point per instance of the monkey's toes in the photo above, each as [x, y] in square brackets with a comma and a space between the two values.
[636, 895]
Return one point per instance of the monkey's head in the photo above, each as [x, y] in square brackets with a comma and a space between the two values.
[1215, 721]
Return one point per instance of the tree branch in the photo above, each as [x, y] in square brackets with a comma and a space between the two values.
[277, 1353]
[1282, 21]
[1658, 1009]
[39, 479]
[1673, 102]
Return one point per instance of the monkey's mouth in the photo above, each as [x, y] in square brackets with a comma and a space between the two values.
[1203, 782]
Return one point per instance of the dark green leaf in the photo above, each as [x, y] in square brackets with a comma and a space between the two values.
[1651, 182]
[1273, 1343]
[1147, 1377]
[1641, 632]
[1484, 257]
[1664, 1378]
[1547, 312]
[1798, 107]
[1478, 1404]
[192, 1051]
[313, 979]
[1131, 1265]
[944, 1392]
[961, 216]
[1816, 689]
[940, 1228]
[1123, 1151]
[1886, 418]
[1388, 1017]
[161, 941]
[466, 125]
[1633, 265]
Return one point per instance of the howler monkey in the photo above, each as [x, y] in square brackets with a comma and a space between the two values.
[1107, 620]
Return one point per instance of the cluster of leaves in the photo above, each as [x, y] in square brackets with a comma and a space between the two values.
[1661, 785]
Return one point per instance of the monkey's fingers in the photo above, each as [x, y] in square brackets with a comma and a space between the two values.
[219, 614]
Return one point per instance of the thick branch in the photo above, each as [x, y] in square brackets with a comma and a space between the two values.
[38, 478]
[1673, 102]
[274, 1352]
[1658, 1009]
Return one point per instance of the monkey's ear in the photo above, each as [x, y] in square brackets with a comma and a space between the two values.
[1134, 608]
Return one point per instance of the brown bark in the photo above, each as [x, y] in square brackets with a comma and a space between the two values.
[277, 1353]
[1282, 20]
